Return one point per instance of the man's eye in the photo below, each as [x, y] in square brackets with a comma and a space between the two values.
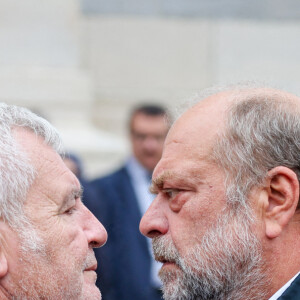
[171, 193]
[70, 210]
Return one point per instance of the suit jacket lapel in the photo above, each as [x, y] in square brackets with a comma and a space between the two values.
[293, 291]
[131, 207]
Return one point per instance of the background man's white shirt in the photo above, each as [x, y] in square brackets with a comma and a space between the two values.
[141, 180]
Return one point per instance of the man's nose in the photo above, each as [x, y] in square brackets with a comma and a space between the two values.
[95, 231]
[154, 223]
[151, 143]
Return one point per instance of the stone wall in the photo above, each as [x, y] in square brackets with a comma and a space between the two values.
[84, 67]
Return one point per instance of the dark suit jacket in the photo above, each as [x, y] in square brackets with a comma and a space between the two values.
[293, 292]
[124, 262]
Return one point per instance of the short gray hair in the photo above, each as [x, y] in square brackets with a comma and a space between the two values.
[262, 132]
[17, 173]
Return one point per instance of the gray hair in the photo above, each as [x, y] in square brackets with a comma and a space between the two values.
[262, 132]
[17, 173]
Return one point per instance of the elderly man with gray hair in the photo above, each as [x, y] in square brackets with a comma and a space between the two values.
[47, 235]
[225, 222]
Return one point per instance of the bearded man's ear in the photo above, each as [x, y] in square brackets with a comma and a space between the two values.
[282, 199]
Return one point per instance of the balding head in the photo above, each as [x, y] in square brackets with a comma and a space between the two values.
[261, 131]
[250, 130]
[227, 196]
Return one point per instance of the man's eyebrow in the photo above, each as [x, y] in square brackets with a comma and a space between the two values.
[73, 194]
[158, 182]
[187, 178]
[77, 192]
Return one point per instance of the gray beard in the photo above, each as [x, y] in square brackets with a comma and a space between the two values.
[225, 265]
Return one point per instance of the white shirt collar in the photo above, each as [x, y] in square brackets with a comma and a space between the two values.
[135, 169]
[140, 178]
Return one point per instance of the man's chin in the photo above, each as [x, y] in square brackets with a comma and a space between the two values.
[169, 267]
[171, 283]
[90, 277]
[169, 272]
[91, 292]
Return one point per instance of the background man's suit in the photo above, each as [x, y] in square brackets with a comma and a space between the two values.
[126, 269]
[125, 261]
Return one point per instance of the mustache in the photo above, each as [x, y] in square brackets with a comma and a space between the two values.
[90, 260]
[164, 250]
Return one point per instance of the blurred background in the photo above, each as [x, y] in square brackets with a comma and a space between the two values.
[83, 64]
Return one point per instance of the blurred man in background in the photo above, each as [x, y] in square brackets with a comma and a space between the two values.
[129, 271]
[226, 219]
[47, 235]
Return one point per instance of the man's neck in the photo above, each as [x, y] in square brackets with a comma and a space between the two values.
[283, 261]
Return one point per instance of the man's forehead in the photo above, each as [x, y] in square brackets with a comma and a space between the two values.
[43, 158]
[29, 141]
[197, 127]
[141, 121]
[194, 134]
[30, 144]
[54, 179]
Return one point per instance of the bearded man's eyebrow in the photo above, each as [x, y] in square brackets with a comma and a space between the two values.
[159, 181]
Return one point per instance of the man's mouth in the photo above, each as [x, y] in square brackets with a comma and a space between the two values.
[90, 263]
[163, 260]
[92, 267]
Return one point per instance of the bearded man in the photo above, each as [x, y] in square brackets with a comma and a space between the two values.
[225, 222]
[47, 235]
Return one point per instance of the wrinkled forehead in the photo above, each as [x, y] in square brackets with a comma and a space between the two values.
[51, 172]
[34, 147]
[203, 121]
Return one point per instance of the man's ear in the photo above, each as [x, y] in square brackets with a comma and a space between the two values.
[281, 201]
[3, 259]
[3, 263]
